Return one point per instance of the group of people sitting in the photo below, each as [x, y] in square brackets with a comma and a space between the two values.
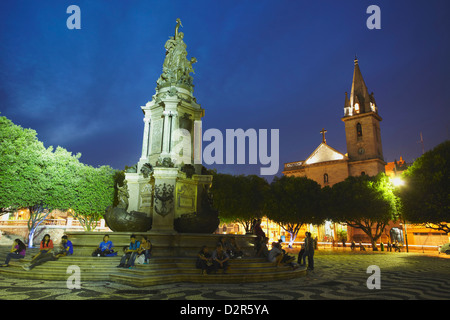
[138, 252]
[225, 250]
[46, 252]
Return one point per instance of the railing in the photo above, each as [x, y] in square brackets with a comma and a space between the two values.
[366, 245]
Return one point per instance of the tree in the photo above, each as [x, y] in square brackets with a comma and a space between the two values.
[94, 192]
[425, 193]
[23, 180]
[366, 203]
[239, 198]
[294, 202]
[42, 179]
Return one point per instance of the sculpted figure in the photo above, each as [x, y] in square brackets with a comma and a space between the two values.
[122, 194]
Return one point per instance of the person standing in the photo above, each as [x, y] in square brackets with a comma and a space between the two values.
[260, 235]
[309, 250]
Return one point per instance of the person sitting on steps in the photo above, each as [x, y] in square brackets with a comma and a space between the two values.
[220, 259]
[17, 252]
[130, 253]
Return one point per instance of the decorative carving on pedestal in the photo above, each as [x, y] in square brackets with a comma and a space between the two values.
[163, 199]
[165, 162]
[189, 169]
[147, 170]
[205, 220]
[146, 197]
[186, 196]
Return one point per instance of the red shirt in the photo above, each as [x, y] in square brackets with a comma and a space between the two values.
[48, 246]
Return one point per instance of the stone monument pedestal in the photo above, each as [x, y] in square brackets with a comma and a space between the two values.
[166, 188]
[164, 199]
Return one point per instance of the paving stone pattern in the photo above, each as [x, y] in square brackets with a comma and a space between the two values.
[338, 275]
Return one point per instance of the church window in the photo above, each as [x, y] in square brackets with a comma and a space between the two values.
[356, 108]
[363, 173]
[359, 130]
[325, 178]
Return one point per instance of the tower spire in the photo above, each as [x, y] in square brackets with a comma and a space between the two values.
[359, 94]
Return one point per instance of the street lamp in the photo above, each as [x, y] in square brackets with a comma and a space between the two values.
[398, 182]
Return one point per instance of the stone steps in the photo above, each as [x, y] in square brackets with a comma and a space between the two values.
[160, 270]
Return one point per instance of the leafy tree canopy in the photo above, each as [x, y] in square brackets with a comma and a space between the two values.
[425, 194]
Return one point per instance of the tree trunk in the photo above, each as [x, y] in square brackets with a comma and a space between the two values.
[292, 239]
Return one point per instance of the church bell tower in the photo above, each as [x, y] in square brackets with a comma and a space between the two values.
[362, 128]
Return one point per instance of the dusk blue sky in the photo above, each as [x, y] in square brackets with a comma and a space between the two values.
[261, 64]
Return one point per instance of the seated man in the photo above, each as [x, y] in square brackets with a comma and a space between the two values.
[105, 248]
[220, 259]
[66, 247]
[130, 254]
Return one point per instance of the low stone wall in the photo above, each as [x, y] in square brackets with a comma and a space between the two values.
[177, 245]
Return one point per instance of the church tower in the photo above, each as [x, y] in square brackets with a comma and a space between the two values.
[362, 129]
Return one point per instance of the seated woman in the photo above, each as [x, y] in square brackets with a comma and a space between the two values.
[17, 252]
[144, 252]
[204, 261]
[105, 248]
[45, 253]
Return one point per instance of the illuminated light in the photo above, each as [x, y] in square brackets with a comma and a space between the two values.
[356, 107]
[398, 182]
[372, 106]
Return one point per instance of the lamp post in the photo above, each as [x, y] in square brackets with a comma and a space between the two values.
[398, 182]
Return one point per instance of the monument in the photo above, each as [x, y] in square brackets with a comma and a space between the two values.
[166, 191]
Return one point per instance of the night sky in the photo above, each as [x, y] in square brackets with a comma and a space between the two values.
[261, 64]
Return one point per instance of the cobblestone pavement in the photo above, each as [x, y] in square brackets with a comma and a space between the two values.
[338, 276]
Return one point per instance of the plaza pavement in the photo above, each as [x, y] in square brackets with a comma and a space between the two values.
[338, 275]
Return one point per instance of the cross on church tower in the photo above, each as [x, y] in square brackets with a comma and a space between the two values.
[323, 135]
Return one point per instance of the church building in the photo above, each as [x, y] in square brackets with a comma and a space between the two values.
[328, 166]
[364, 156]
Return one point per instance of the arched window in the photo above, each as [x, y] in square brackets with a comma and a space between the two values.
[359, 130]
[325, 178]
[363, 173]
